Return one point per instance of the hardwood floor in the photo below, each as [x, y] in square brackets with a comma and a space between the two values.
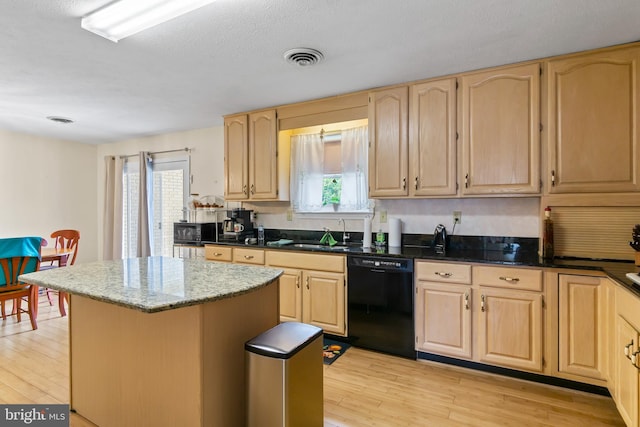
[361, 388]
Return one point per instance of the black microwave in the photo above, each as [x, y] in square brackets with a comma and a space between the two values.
[194, 233]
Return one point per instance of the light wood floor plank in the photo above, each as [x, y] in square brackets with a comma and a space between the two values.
[361, 388]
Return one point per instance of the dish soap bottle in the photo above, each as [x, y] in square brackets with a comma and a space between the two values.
[547, 235]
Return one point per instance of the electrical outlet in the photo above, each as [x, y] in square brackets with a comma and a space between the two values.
[289, 215]
[383, 217]
[457, 217]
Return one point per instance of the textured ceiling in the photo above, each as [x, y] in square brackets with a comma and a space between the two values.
[227, 57]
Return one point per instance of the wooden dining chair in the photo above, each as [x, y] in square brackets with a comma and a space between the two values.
[64, 239]
[19, 256]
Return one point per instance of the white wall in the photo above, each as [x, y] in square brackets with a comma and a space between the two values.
[207, 160]
[47, 185]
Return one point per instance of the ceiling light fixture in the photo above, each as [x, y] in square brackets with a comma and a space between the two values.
[123, 18]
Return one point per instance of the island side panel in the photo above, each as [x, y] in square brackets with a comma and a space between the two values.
[130, 368]
[227, 325]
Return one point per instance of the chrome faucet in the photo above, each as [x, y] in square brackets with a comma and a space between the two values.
[345, 236]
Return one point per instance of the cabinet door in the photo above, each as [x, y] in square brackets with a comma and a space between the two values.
[501, 131]
[627, 373]
[388, 149]
[593, 118]
[443, 319]
[323, 299]
[582, 339]
[432, 138]
[236, 158]
[263, 152]
[291, 295]
[510, 328]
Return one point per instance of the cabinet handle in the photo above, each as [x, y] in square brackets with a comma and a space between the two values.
[253, 189]
[466, 300]
[404, 183]
[248, 257]
[634, 358]
[466, 181]
[217, 254]
[482, 303]
[298, 282]
[307, 282]
[244, 189]
[509, 279]
[628, 348]
[553, 178]
[416, 183]
[441, 274]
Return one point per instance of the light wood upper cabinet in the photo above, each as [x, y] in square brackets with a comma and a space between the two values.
[582, 327]
[432, 138]
[236, 157]
[251, 158]
[501, 131]
[388, 142]
[593, 117]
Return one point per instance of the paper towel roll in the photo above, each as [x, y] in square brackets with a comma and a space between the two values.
[395, 232]
[366, 238]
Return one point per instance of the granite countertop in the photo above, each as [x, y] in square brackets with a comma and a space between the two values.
[483, 250]
[156, 283]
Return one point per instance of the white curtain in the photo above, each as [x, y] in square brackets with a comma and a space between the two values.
[112, 219]
[144, 206]
[354, 145]
[307, 172]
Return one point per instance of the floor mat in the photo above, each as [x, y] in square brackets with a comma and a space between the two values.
[332, 349]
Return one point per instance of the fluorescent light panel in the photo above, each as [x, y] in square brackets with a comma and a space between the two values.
[123, 18]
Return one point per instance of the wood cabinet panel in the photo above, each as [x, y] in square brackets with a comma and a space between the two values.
[218, 253]
[306, 261]
[627, 383]
[263, 149]
[248, 256]
[236, 157]
[500, 131]
[582, 338]
[291, 295]
[593, 117]
[508, 277]
[443, 318]
[323, 301]
[388, 142]
[432, 138]
[510, 328]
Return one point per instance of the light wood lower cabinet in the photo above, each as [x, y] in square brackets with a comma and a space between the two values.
[443, 309]
[312, 289]
[582, 333]
[218, 253]
[627, 354]
[510, 328]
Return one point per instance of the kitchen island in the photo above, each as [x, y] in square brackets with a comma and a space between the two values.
[160, 341]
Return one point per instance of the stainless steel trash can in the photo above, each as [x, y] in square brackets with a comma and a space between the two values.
[284, 377]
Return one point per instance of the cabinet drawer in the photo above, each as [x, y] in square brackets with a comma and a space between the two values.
[508, 277]
[218, 253]
[306, 261]
[443, 272]
[248, 256]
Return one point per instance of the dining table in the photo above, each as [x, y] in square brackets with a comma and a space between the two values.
[60, 256]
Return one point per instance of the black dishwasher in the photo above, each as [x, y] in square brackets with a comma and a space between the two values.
[380, 304]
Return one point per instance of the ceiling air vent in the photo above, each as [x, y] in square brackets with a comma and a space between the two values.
[303, 57]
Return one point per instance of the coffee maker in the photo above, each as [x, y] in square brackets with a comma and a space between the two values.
[237, 225]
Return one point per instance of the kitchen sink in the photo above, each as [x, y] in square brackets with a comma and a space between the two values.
[321, 247]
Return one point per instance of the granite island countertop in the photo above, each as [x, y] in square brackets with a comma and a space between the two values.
[155, 284]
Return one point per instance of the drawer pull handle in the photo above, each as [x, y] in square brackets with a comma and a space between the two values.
[628, 348]
[248, 257]
[509, 279]
[482, 303]
[466, 300]
[217, 254]
[441, 274]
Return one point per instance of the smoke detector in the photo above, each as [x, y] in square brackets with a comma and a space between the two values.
[303, 56]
